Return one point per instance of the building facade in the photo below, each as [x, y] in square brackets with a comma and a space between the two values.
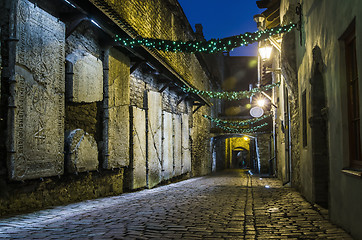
[319, 106]
[84, 117]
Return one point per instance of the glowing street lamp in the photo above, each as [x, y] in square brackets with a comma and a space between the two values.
[261, 102]
[265, 51]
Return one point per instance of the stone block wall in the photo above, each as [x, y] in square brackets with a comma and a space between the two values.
[67, 82]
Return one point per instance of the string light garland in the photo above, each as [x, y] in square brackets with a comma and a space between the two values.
[211, 46]
[238, 126]
[242, 130]
[230, 96]
[236, 123]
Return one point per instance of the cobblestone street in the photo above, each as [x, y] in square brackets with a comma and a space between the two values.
[227, 205]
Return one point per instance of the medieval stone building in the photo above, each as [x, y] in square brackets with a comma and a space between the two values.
[318, 132]
[84, 117]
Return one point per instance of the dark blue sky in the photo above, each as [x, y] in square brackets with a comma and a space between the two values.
[224, 18]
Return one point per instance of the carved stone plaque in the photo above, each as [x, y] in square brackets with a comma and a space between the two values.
[118, 110]
[39, 116]
[154, 138]
[138, 163]
[81, 152]
[167, 159]
[186, 153]
[177, 137]
[87, 77]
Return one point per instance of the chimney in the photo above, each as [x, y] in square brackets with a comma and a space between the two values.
[199, 33]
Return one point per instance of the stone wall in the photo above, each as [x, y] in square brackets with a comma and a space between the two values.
[18, 197]
[69, 86]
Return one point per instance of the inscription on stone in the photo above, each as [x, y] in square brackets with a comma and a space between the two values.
[39, 123]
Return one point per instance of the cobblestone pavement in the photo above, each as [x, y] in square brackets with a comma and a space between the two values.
[227, 205]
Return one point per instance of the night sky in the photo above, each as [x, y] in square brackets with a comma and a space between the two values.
[224, 18]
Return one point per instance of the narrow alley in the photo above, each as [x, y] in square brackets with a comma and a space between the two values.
[228, 205]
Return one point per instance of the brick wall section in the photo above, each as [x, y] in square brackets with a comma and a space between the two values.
[153, 19]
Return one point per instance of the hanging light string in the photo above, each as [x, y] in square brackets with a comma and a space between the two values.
[230, 96]
[242, 130]
[238, 126]
[236, 123]
[211, 46]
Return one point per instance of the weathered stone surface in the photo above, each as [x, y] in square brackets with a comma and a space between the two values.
[118, 111]
[118, 137]
[39, 123]
[264, 152]
[186, 152]
[167, 156]
[138, 164]
[81, 152]
[119, 79]
[154, 138]
[87, 84]
[177, 144]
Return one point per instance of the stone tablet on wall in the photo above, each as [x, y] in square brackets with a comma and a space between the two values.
[87, 82]
[177, 137]
[39, 116]
[117, 135]
[167, 155]
[154, 138]
[138, 163]
[81, 152]
[186, 153]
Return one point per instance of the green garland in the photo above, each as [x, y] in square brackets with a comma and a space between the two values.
[230, 96]
[212, 46]
[222, 124]
[238, 130]
[237, 123]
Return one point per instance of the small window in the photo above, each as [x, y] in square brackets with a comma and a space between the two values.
[304, 116]
[354, 129]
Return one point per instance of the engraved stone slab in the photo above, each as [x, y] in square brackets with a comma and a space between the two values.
[117, 135]
[87, 84]
[81, 152]
[39, 123]
[186, 152]
[119, 79]
[167, 156]
[177, 137]
[138, 164]
[154, 138]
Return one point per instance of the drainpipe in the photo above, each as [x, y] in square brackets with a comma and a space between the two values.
[10, 81]
[145, 107]
[105, 60]
[290, 145]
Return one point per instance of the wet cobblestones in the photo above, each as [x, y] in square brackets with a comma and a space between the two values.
[227, 205]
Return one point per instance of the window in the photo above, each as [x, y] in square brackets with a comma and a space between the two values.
[304, 118]
[352, 97]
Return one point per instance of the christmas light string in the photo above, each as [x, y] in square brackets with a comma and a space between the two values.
[230, 96]
[211, 46]
[237, 123]
[242, 130]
